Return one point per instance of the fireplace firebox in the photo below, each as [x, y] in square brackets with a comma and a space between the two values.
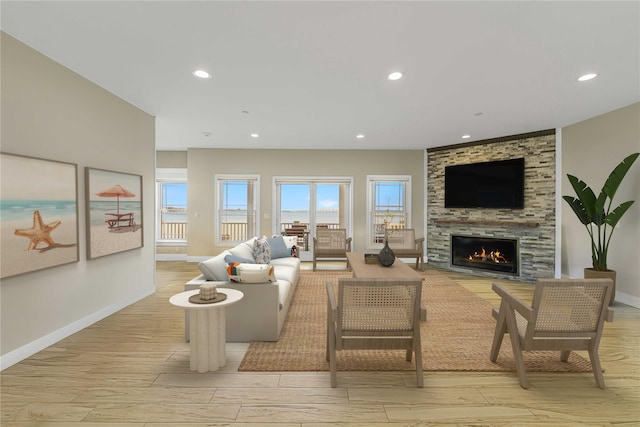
[485, 253]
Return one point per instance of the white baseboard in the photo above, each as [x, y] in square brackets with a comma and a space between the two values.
[198, 258]
[628, 299]
[40, 344]
[171, 257]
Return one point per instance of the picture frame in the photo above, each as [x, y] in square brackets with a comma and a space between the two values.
[39, 214]
[113, 212]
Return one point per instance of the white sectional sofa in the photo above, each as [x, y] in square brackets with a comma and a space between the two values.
[260, 314]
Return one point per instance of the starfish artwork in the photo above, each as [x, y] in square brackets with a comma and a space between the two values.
[40, 232]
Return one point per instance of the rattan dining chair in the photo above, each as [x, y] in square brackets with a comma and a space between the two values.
[565, 315]
[374, 314]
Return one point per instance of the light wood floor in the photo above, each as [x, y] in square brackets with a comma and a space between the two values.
[132, 369]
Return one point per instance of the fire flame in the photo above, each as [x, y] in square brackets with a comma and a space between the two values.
[493, 256]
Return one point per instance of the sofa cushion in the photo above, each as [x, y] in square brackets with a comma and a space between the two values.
[262, 251]
[244, 249]
[215, 268]
[287, 273]
[251, 273]
[289, 261]
[278, 248]
[231, 258]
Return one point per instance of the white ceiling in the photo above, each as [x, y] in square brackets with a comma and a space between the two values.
[313, 74]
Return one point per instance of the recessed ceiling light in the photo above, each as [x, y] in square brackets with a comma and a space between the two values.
[254, 135]
[587, 77]
[202, 74]
[396, 75]
[360, 136]
[466, 136]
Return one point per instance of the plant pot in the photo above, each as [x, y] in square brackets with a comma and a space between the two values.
[590, 273]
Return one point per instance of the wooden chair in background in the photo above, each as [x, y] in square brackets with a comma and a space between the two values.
[374, 314]
[331, 243]
[404, 244]
[565, 315]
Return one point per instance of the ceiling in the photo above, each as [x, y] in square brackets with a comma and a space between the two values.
[314, 74]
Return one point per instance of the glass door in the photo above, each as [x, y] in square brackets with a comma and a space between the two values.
[303, 205]
[293, 213]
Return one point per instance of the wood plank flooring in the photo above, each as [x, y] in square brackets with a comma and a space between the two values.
[132, 369]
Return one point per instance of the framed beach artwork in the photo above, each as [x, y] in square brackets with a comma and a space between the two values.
[114, 212]
[38, 214]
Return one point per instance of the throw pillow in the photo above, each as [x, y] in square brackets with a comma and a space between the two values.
[215, 268]
[251, 273]
[278, 248]
[262, 251]
[244, 249]
[230, 259]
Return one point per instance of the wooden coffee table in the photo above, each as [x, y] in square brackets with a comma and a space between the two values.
[399, 270]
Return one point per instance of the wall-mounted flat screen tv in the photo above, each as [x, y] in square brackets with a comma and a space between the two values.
[495, 184]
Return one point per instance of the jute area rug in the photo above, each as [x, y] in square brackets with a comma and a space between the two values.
[457, 335]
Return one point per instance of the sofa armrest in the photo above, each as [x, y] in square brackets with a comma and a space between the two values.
[200, 280]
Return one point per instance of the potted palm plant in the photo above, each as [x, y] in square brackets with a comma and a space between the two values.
[598, 217]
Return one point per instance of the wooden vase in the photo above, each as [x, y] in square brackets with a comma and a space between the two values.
[590, 273]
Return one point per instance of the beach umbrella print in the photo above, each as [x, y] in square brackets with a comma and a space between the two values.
[116, 191]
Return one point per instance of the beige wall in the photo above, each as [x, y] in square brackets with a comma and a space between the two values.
[50, 112]
[590, 151]
[171, 159]
[205, 163]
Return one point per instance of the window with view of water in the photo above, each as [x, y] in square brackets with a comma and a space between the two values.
[305, 204]
[172, 198]
[388, 199]
[237, 208]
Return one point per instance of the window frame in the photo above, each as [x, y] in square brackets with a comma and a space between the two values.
[168, 175]
[220, 179]
[372, 180]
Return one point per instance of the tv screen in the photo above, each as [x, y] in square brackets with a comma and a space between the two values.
[496, 184]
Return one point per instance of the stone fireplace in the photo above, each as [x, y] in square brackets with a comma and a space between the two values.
[533, 228]
[485, 253]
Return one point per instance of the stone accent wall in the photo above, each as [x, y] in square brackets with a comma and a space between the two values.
[534, 226]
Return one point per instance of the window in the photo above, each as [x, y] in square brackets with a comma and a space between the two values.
[237, 208]
[171, 212]
[389, 202]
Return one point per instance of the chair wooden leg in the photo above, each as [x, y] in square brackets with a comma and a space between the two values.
[314, 263]
[332, 360]
[498, 335]
[417, 345]
[409, 355]
[517, 348]
[597, 369]
[564, 355]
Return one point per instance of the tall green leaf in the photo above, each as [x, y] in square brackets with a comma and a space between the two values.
[614, 216]
[616, 177]
[585, 194]
[578, 208]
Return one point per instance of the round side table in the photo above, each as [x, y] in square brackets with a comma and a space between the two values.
[207, 333]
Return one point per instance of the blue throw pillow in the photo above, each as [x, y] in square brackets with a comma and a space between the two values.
[230, 259]
[278, 247]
